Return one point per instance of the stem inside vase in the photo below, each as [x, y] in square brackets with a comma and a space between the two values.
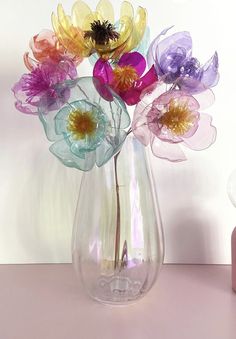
[117, 234]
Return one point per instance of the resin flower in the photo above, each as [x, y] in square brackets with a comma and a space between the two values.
[174, 62]
[43, 88]
[170, 119]
[88, 130]
[126, 77]
[86, 32]
[46, 47]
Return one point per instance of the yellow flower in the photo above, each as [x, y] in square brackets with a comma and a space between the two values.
[86, 32]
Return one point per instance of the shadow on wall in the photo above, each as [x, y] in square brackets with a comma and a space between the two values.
[185, 195]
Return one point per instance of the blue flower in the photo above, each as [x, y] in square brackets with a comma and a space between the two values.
[87, 130]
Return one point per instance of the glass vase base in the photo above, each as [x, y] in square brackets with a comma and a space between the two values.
[118, 290]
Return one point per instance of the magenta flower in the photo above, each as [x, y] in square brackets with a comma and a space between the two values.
[170, 119]
[126, 77]
[44, 88]
[174, 63]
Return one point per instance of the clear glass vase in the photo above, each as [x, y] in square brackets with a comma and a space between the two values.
[117, 242]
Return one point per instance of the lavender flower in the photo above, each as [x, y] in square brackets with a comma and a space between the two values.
[173, 60]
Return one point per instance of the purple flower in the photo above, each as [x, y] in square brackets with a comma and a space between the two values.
[44, 87]
[126, 77]
[169, 119]
[173, 61]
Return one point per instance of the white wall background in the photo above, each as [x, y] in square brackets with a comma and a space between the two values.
[38, 195]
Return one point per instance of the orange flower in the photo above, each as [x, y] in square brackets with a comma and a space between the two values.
[45, 46]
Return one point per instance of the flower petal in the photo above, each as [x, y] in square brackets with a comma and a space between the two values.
[105, 9]
[71, 37]
[139, 27]
[126, 10]
[169, 53]
[144, 44]
[62, 151]
[205, 98]
[151, 55]
[135, 60]
[210, 75]
[79, 12]
[103, 71]
[165, 150]
[204, 136]
[133, 95]
[139, 125]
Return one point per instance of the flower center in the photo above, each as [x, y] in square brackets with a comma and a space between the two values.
[102, 32]
[179, 119]
[124, 77]
[81, 124]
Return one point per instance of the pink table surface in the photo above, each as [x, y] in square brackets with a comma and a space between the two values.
[47, 302]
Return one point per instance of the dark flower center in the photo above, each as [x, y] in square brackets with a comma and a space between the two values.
[102, 32]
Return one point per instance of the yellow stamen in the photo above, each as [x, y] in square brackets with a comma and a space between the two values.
[178, 119]
[81, 124]
[124, 77]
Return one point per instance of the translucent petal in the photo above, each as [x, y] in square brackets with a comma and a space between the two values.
[61, 120]
[134, 59]
[79, 12]
[133, 95]
[63, 19]
[205, 135]
[205, 98]
[151, 56]
[62, 151]
[72, 38]
[103, 71]
[180, 96]
[171, 52]
[105, 9]
[48, 123]
[118, 112]
[142, 47]
[73, 45]
[139, 27]
[109, 148]
[210, 75]
[139, 124]
[126, 10]
[93, 16]
[152, 92]
[165, 150]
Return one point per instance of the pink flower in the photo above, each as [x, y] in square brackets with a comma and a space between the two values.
[126, 77]
[170, 119]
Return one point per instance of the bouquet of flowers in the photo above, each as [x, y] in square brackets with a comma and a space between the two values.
[86, 118]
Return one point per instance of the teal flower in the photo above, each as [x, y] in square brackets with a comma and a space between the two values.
[88, 130]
